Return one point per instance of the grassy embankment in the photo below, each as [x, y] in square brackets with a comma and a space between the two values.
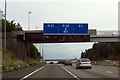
[10, 62]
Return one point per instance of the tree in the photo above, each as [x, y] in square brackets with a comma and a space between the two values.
[11, 26]
[34, 52]
[103, 51]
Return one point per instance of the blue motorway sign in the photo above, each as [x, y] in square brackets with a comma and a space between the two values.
[65, 28]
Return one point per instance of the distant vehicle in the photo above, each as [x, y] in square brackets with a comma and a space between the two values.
[63, 62]
[67, 62]
[83, 63]
[60, 62]
[51, 62]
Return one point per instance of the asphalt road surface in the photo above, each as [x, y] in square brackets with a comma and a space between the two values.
[97, 72]
[46, 72]
[61, 72]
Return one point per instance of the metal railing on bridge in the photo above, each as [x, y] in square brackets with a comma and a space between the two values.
[108, 33]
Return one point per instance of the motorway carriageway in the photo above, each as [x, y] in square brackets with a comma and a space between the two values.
[61, 72]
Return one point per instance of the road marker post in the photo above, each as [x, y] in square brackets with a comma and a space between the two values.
[114, 64]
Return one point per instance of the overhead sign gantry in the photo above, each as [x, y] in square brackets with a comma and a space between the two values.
[65, 29]
[58, 33]
[66, 32]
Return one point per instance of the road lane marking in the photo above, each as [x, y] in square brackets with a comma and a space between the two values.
[69, 72]
[109, 72]
[32, 73]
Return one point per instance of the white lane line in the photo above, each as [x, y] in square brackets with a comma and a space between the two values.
[32, 73]
[69, 72]
[109, 72]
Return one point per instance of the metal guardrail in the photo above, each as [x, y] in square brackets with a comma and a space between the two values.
[108, 33]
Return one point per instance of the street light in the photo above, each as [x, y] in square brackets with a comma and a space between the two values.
[36, 28]
[29, 29]
[29, 20]
[42, 52]
[5, 28]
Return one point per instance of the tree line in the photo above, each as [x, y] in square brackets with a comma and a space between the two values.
[103, 51]
[12, 26]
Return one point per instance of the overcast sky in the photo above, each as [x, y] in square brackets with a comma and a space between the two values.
[99, 14]
[64, 50]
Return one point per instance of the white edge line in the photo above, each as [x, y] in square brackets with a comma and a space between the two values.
[69, 72]
[32, 73]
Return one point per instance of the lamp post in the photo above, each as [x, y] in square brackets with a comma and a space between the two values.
[28, 42]
[36, 30]
[42, 52]
[5, 28]
[29, 20]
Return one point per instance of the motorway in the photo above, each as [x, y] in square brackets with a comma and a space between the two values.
[61, 72]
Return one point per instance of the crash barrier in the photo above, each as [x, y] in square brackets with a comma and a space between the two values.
[106, 63]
